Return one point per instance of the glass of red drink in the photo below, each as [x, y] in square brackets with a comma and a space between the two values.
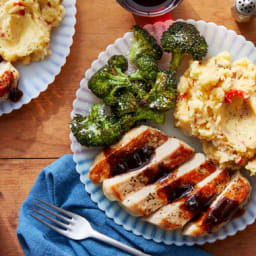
[149, 8]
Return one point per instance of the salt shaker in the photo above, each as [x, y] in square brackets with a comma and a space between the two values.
[243, 10]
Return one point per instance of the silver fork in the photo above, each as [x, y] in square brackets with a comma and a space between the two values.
[76, 227]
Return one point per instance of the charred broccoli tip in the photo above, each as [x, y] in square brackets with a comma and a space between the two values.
[147, 68]
[144, 43]
[96, 129]
[182, 39]
[118, 62]
[163, 93]
[109, 76]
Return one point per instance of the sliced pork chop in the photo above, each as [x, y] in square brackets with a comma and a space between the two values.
[9, 77]
[142, 140]
[178, 213]
[170, 154]
[182, 180]
[226, 205]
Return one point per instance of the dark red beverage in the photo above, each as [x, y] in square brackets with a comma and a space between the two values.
[149, 7]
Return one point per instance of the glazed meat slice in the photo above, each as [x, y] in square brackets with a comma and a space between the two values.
[8, 79]
[169, 155]
[182, 180]
[178, 213]
[134, 150]
[226, 205]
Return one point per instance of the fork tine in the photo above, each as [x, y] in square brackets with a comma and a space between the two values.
[59, 230]
[51, 219]
[70, 214]
[53, 213]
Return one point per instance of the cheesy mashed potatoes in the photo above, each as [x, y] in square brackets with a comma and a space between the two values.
[25, 27]
[217, 103]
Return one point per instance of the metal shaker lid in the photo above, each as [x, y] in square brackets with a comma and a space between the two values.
[246, 7]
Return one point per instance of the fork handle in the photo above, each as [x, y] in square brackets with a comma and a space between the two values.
[99, 236]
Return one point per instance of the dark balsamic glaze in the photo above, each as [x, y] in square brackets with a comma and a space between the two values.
[15, 94]
[127, 161]
[158, 172]
[222, 212]
[137, 153]
[164, 169]
[199, 201]
[183, 185]
[175, 190]
[240, 212]
[155, 174]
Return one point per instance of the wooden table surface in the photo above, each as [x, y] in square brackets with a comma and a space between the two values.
[37, 134]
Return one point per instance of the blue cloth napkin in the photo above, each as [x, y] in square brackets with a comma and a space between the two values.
[59, 184]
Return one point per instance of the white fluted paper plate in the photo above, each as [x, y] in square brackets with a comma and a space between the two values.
[218, 39]
[35, 77]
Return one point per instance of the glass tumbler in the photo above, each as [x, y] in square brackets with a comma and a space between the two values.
[149, 8]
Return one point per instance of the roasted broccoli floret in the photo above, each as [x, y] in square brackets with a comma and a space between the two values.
[182, 39]
[99, 83]
[131, 98]
[163, 93]
[129, 104]
[144, 43]
[109, 76]
[110, 80]
[147, 114]
[126, 103]
[147, 68]
[113, 97]
[96, 129]
[119, 63]
[140, 88]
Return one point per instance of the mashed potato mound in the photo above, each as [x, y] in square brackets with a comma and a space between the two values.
[217, 103]
[25, 27]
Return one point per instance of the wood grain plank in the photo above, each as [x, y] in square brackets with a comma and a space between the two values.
[17, 178]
